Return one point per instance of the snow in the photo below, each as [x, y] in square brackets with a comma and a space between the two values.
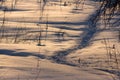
[14, 67]
[27, 61]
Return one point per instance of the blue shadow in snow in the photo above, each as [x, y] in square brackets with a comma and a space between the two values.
[20, 54]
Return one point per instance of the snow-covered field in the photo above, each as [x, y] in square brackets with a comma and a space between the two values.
[64, 54]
